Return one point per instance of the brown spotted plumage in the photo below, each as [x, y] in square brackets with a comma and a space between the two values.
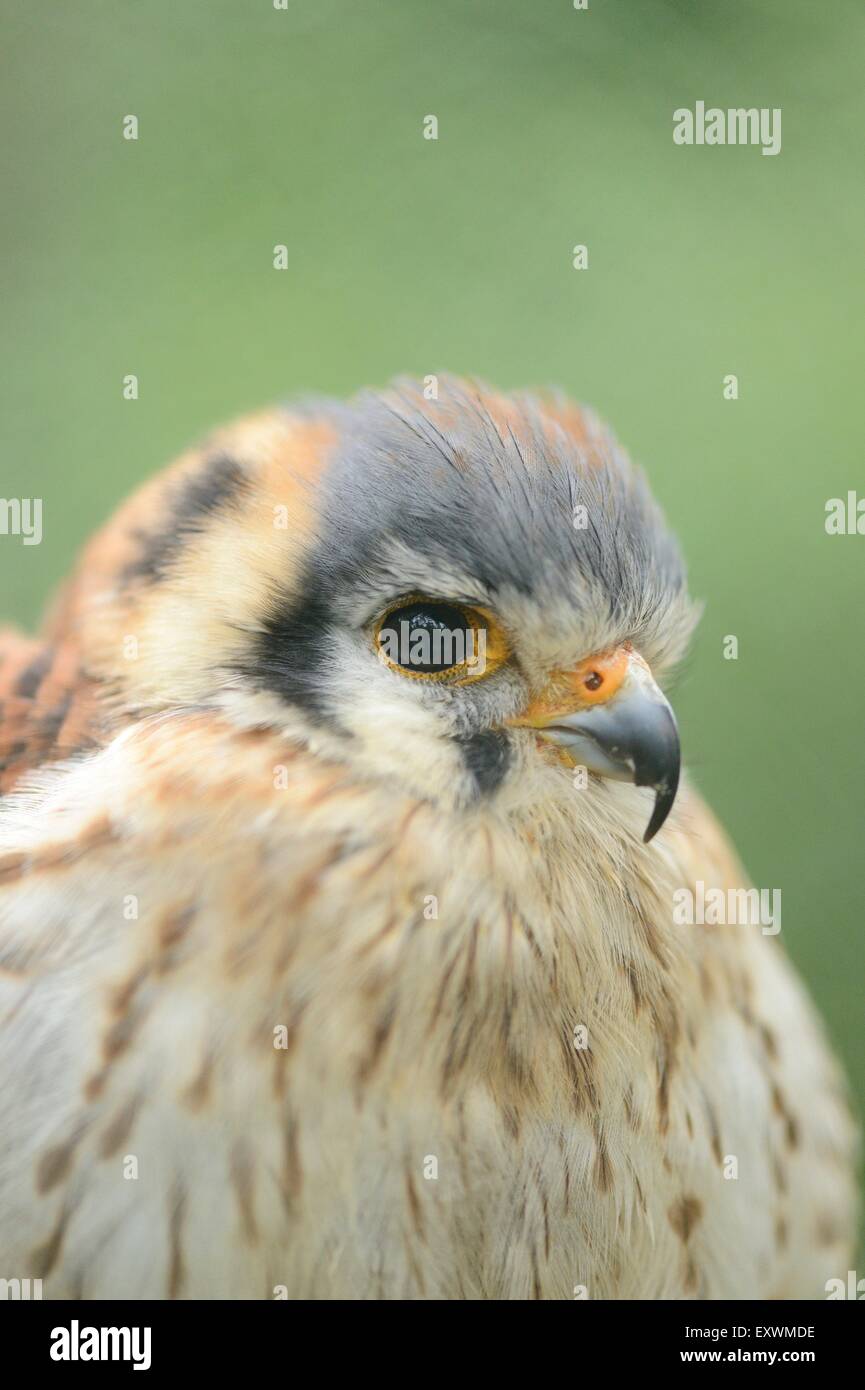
[327, 976]
[47, 706]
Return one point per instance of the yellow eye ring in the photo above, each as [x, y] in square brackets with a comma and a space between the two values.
[440, 640]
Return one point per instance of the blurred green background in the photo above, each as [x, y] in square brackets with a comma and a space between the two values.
[260, 126]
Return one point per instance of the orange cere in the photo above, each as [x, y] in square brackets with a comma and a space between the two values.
[591, 682]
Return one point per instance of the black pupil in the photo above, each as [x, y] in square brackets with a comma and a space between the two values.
[427, 637]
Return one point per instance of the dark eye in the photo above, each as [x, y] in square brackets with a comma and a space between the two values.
[426, 638]
[433, 639]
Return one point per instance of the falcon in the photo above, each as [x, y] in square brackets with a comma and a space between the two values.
[341, 831]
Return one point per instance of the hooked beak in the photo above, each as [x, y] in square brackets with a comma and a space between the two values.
[609, 716]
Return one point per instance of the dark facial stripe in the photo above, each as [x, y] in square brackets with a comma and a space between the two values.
[290, 654]
[487, 756]
[218, 482]
[30, 679]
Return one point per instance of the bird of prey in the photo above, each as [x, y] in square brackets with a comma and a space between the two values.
[340, 837]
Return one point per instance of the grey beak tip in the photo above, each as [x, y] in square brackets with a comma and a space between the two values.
[665, 795]
[654, 824]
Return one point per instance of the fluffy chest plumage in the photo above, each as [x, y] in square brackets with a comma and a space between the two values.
[417, 1056]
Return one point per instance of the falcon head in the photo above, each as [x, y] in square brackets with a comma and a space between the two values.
[464, 597]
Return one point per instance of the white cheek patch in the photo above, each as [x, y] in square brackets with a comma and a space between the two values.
[396, 731]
